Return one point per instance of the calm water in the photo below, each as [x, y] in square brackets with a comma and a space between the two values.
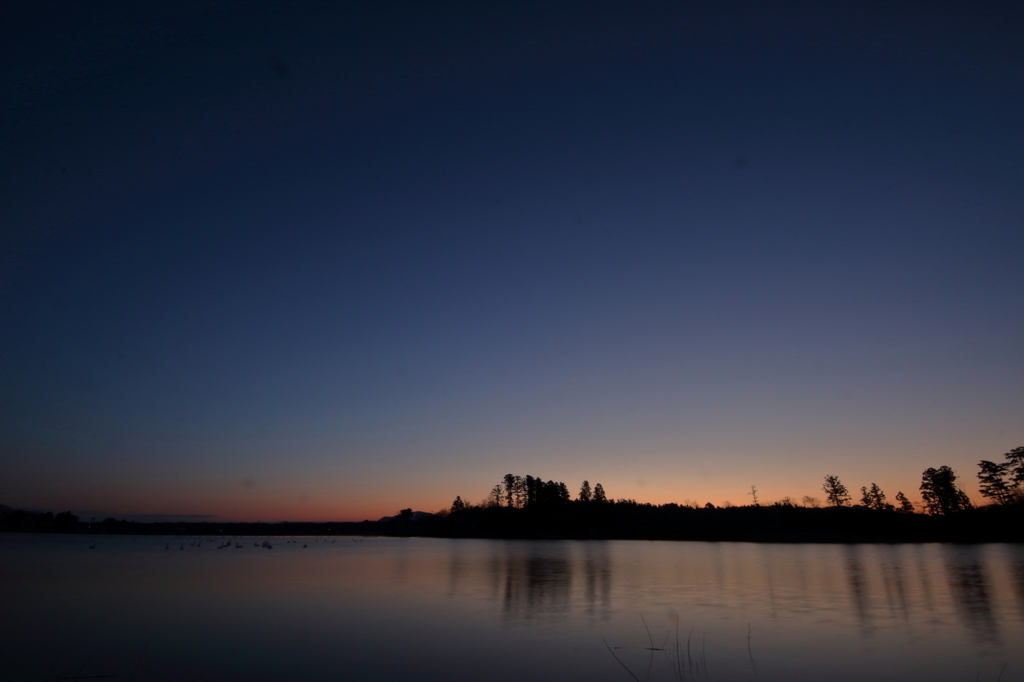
[418, 609]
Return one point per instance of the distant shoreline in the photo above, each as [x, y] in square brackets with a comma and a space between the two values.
[609, 521]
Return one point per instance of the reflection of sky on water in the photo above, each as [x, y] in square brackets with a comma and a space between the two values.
[393, 608]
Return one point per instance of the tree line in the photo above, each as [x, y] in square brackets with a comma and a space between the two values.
[41, 522]
[531, 492]
[1002, 483]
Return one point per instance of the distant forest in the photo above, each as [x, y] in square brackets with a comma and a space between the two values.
[528, 507]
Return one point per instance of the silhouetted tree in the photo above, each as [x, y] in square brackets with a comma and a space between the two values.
[530, 486]
[709, 506]
[993, 480]
[64, 518]
[874, 498]
[599, 495]
[458, 505]
[546, 492]
[550, 493]
[906, 507]
[753, 494]
[585, 494]
[812, 502]
[1015, 460]
[520, 492]
[835, 492]
[939, 491]
[510, 486]
[405, 515]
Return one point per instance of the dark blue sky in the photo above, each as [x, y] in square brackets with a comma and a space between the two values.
[322, 261]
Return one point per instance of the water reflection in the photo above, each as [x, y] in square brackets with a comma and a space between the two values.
[970, 586]
[924, 578]
[458, 565]
[859, 590]
[597, 571]
[895, 589]
[537, 582]
[1017, 571]
[930, 611]
[880, 589]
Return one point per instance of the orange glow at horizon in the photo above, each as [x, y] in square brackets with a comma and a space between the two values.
[251, 505]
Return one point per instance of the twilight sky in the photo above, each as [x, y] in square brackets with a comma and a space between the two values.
[321, 261]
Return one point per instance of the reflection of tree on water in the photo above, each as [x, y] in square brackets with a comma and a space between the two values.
[597, 572]
[895, 584]
[924, 580]
[970, 586]
[859, 588]
[538, 581]
[457, 567]
[966, 574]
[885, 590]
[1017, 569]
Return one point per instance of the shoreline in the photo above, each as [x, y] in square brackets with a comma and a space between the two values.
[610, 521]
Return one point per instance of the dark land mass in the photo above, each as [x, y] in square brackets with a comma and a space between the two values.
[620, 520]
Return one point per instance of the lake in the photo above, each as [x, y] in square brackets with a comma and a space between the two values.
[436, 609]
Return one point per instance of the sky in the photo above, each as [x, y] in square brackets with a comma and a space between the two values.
[325, 261]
